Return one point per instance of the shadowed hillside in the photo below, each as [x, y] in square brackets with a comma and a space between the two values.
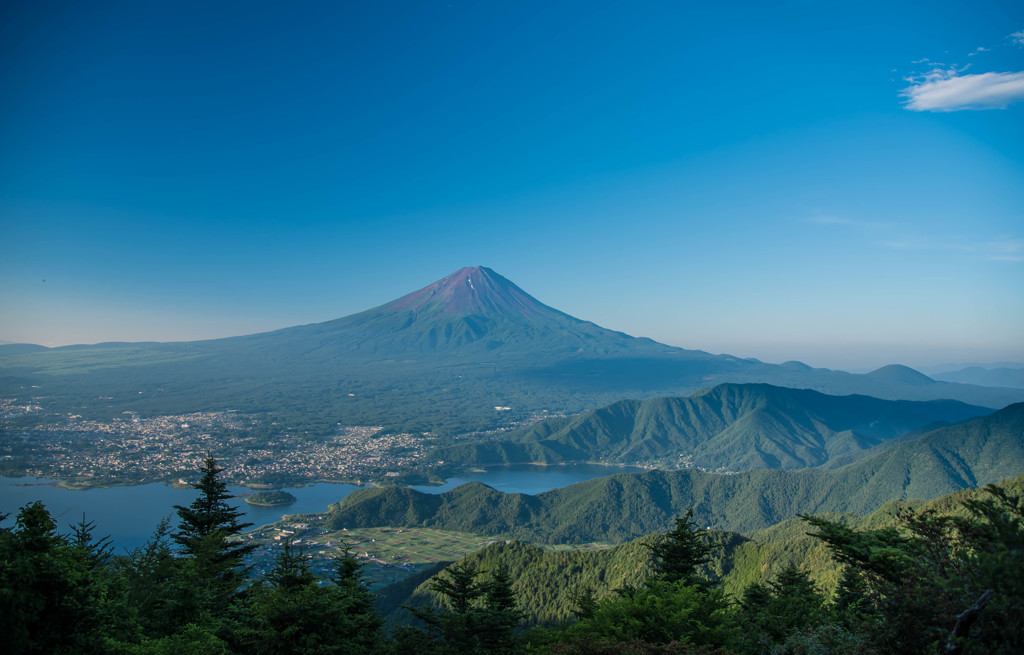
[625, 506]
[732, 427]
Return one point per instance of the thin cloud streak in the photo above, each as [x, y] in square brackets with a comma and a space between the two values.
[836, 220]
[922, 244]
[948, 90]
[1007, 250]
[1003, 250]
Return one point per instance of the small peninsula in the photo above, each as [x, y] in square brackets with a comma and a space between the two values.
[270, 498]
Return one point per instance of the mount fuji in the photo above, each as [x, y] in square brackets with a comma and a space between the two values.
[450, 357]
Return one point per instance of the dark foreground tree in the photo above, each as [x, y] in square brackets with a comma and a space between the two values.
[936, 583]
[772, 612]
[679, 557]
[291, 612]
[153, 578]
[476, 617]
[500, 614]
[208, 527]
[57, 595]
[659, 617]
[358, 601]
[211, 572]
[676, 611]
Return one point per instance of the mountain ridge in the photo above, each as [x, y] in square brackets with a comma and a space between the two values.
[1003, 376]
[439, 359]
[731, 427]
[624, 506]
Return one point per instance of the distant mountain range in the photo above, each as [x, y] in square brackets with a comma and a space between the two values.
[442, 358]
[625, 506]
[732, 427]
[1002, 376]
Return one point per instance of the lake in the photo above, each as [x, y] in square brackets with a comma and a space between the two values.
[130, 514]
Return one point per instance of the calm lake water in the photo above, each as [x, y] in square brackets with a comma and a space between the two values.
[130, 514]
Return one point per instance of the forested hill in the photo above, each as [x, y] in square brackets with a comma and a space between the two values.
[732, 427]
[625, 506]
[546, 582]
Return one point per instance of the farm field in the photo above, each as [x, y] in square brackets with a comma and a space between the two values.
[389, 554]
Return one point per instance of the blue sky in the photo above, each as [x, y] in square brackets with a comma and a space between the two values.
[836, 182]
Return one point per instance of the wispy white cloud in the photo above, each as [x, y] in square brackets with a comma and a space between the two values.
[919, 243]
[950, 90]
[896, 236]
[849, 222]
[1004, 249]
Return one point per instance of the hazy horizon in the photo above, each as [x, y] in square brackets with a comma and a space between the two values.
[853, 358]
[841, 185]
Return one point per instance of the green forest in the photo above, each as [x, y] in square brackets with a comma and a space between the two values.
[729, 427]
[270, 498]
[621, 507]
[947, 576]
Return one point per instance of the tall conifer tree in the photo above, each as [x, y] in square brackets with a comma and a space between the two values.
[681, 555]
[205, 533]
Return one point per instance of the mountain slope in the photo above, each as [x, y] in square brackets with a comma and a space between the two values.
[545, 581]
[732, 427]
[622, 507]
[472, 311]
[441, 358]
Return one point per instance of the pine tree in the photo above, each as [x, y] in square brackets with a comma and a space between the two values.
[454, 628]
[208, 524]
[584, 602]
[477, 617]
[499, 615]
[458, 586]
[151, 573]
[55, 594]
[949, 581]
[360, 601]
[348, 571]
[97, 551]
[291, 569]
[787, 605]
[682, 553]
[210, 574]
[291, 612]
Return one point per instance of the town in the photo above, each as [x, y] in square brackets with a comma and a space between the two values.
[137, 450]
[254, 451]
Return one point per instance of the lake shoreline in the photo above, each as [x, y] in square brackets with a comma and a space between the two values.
[130, 513]
[80, 485]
